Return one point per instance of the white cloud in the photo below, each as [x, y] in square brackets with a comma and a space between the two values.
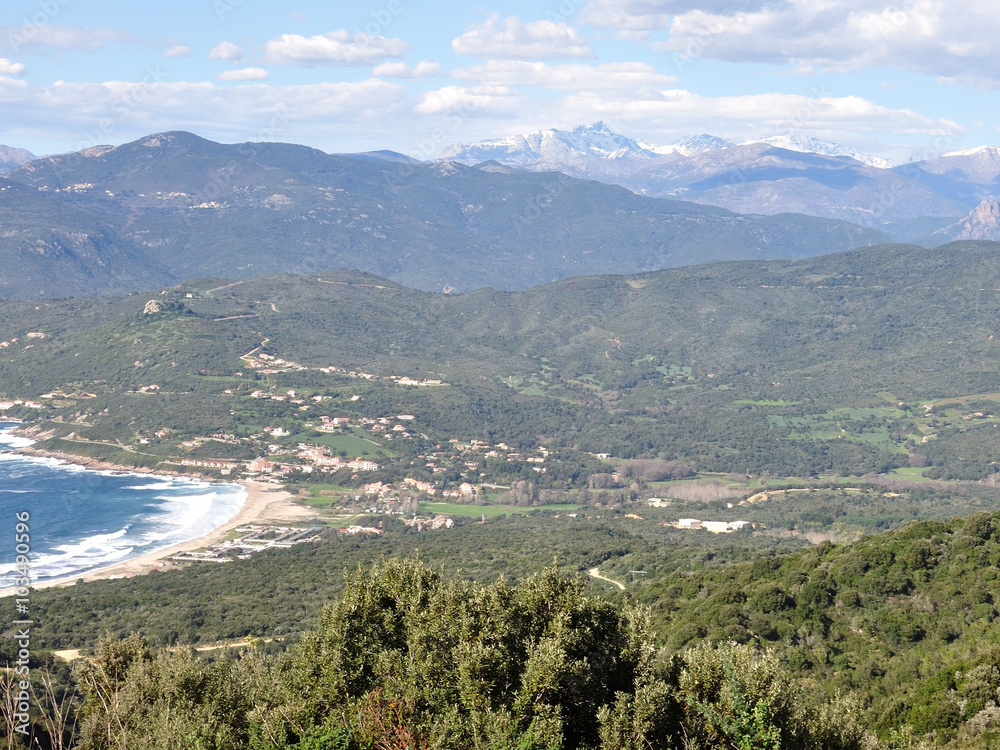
[538, 40]
[334, 48]
[8, 68]
[630, 76]
[62, 37]
[244, 74]
[472, 101]
[424, 69]
[79, 115]
[178, 50]
[226, 51]
[954, 39]
[677, 112]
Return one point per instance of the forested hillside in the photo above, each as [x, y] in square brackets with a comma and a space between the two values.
[862, 362]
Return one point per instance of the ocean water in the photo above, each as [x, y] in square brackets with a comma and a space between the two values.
[82, 519]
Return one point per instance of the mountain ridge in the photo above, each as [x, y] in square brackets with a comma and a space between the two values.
[173, 206]
[767, 175]
[12, 157]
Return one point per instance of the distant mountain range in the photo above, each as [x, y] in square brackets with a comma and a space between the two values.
[599, 141]
[11, 158]
[173, 206]
[915, 201]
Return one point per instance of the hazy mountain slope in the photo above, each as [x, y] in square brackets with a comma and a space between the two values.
[11, 158]
[173, 206]
[982, 223]
[770, 175]
[967, 177]
[765, 179]
[809, 145]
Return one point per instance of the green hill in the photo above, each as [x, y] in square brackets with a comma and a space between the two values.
[845, 364]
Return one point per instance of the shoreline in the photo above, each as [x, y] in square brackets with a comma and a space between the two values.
[264, 502]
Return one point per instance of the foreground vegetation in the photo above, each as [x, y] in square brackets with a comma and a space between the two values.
[906, 621]
[406, 659]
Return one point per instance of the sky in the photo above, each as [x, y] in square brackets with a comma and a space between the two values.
[906, 79]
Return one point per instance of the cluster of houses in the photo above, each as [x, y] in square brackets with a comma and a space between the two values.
[474, 452]
[465, 490]
[10, 342]
[434, 524]
[26, 403]
[314, 456]
[271, 364]
[387, 427]
[397, 379]
[253, 538]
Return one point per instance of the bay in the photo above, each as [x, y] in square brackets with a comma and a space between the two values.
[83, 519]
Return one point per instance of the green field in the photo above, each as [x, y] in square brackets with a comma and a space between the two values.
[911, 474]
[317, 498]
[353, 443]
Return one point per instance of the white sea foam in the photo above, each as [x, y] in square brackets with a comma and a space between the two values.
[13, 442]
[166, 485]
[74, 557]
[187, 508]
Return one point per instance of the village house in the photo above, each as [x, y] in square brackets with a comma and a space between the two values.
[260, 465]
[225, 465]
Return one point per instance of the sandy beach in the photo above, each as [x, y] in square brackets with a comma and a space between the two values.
[265, 502]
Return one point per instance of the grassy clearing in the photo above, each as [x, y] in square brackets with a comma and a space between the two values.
[323, 494]
[911, 474]
[353, 443]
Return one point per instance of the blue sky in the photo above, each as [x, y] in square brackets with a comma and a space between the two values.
[900, 78]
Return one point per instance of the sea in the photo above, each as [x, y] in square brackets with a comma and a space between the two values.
[82, 519]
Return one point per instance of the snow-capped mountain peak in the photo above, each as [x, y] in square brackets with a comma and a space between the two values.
[556, 148]
[586, 141]
[810, 145]
[689, 145]
[699, 144]
[988, 151]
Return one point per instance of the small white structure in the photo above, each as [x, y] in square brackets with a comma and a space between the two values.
[689, 523]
